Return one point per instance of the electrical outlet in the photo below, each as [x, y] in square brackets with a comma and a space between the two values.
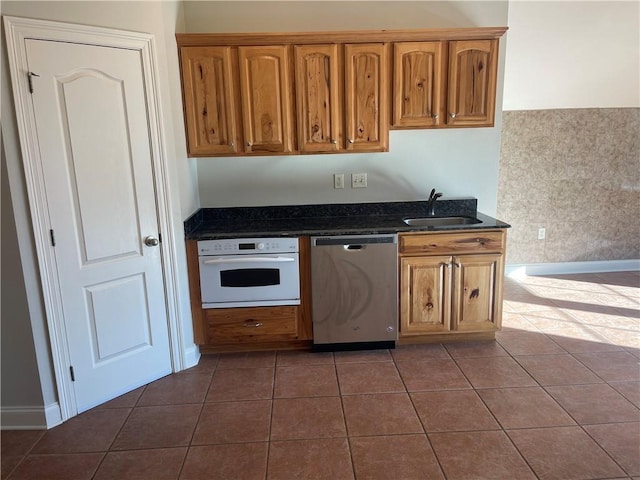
[338, 180]
[358, 180]
[542, 233]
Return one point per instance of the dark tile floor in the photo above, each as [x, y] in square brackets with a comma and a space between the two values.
[557, 396]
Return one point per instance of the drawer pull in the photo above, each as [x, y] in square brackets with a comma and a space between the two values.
[252, 324]
[429, 306]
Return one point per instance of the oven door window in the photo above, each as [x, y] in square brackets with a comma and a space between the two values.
[250, 277]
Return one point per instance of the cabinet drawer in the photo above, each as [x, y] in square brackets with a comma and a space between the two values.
[257, 324]
[452, 243]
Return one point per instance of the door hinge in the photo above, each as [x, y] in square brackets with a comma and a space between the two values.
[29, 76]
[73, 375]
[53, 238]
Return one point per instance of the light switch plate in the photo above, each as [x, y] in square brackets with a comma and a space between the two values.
[358, 180]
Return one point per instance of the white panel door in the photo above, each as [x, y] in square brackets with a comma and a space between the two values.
[93, 136]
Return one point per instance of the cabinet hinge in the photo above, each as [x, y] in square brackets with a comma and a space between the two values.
[160, 237]
[53, 238]
[73, 375]
[29, 79]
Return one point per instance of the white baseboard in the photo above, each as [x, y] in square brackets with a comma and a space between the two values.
[573, 267]
[191, 356]
[30, 418]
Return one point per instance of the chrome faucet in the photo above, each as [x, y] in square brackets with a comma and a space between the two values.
[433, 196]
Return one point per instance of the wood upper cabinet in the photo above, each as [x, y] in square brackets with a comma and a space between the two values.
[366, 97]
[418, 84]
[210, 100]
[266, 88]
[319, 110]
[473, 69]
[428, 94]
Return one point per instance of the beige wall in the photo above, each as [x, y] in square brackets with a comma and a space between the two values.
[573, 170]
[458, 162]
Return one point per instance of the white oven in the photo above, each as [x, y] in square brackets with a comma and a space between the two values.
[249, 272]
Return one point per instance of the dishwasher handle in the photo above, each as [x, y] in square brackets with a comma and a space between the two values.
[354, 242]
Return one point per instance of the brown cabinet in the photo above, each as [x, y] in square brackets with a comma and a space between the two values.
[327, 92]
[451, 282]
[428, 94]
[285, 327]
[265, 87]
[418, 84]
[366, 97]
[251, 324]
[319, 109]
[210, 100]
[323, 116]
[473, 67]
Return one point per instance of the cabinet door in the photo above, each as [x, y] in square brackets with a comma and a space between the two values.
[366, 97]
[425, 295]
[473, 67]
[265, 85]
[418, 84]
[209, 100]
[477, 293]
[318, 101]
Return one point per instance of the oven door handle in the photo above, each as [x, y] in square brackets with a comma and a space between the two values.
[261, 259]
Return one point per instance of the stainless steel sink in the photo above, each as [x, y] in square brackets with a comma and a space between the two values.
[440, 221]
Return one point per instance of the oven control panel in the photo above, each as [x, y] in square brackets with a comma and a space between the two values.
[239, 246]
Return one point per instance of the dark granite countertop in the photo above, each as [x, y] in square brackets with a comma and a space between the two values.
[329, 219]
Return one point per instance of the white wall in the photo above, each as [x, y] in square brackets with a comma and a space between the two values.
[572, 54]
[458, 162]
[160, 19]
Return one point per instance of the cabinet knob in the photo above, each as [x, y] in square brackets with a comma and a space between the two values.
[429, 306]
[434, 116]
[334, 141]
[249, 144]
[232, 144]
[351, 140]
[452, 114]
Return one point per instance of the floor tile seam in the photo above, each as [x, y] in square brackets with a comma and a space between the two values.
[586, 432]
[506, 435]
[131, 410]
[30, 449]
[575, 356]
[566, 410]
[509, 355]
[545, 335]
[559, 384]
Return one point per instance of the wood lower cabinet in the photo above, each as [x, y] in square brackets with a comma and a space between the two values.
[266, 86]
[252, 324]
[451, 283]
[286, 327]
[210, 100]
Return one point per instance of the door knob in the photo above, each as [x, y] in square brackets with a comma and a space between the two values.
[151, 241]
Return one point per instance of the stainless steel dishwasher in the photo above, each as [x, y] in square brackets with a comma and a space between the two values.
[354, 281]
